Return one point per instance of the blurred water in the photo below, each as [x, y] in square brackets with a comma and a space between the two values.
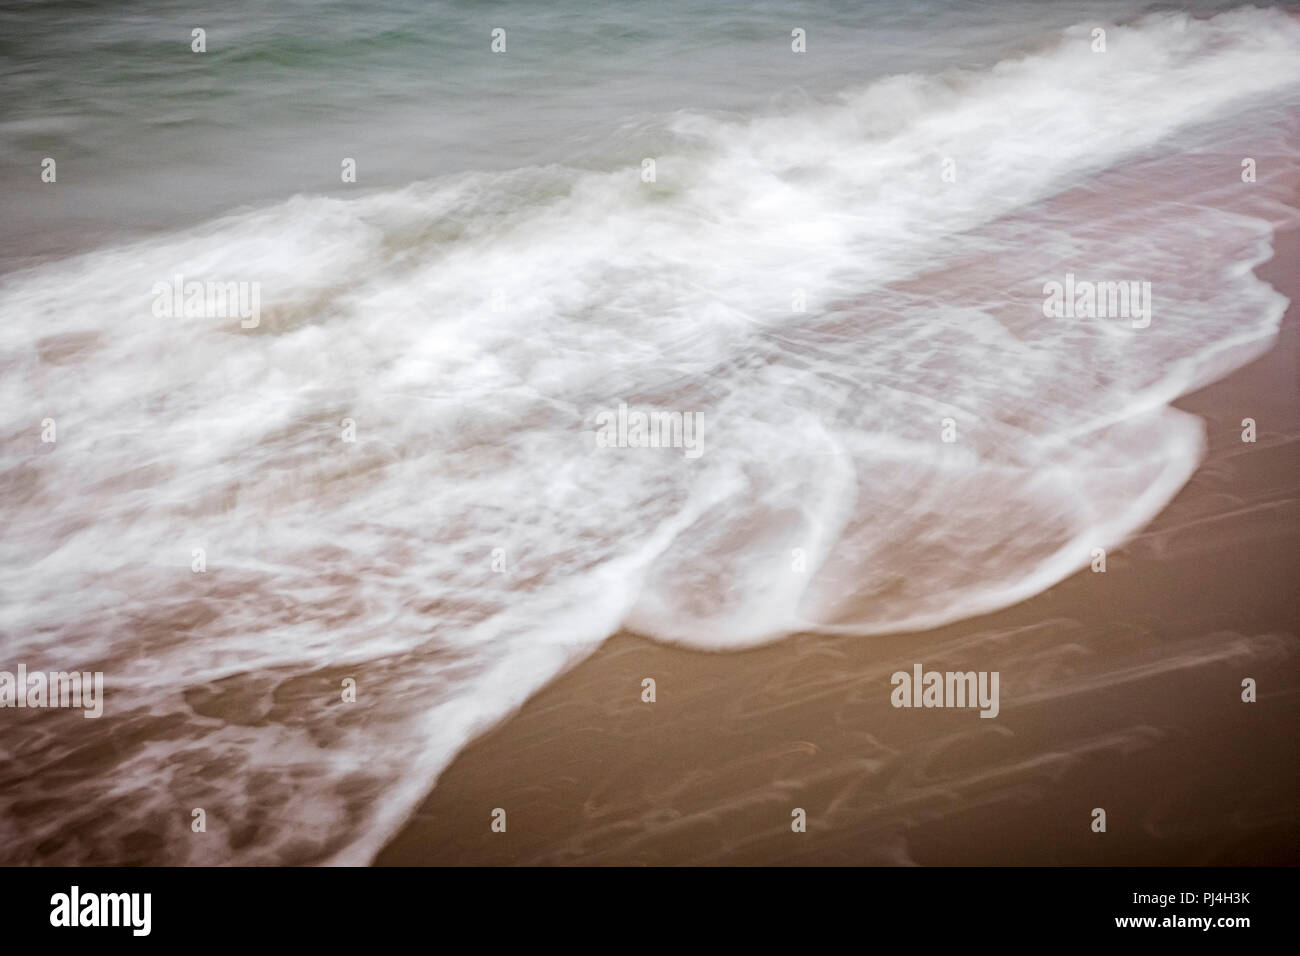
[148, 134]
[517, 280]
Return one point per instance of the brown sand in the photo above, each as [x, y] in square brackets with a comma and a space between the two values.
[1119, 690]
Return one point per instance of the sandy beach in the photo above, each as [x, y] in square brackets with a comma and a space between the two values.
[1119, 690]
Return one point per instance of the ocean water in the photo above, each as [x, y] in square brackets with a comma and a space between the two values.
[800, 274]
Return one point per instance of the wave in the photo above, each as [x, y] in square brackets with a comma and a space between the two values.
[833, 290]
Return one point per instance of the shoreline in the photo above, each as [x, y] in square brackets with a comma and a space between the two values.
[1119, 690]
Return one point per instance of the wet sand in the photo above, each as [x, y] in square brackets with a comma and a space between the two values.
[1119, 690]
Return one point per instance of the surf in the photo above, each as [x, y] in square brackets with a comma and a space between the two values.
[467, 536]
